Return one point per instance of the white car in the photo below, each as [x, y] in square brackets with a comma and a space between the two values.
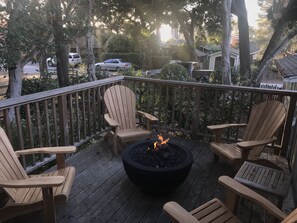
[113, 64]
[74, 59]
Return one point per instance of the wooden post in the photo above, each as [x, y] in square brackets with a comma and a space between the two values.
[288, 126]
[63, 121]
[48, 205]
[196, 114]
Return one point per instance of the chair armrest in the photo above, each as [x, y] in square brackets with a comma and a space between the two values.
[47, 150]
[218, 129]
[178, 213]
[148, 116]
[245, 192]
[111, 122]
[251, 144]
[225, 126]
[47, 181]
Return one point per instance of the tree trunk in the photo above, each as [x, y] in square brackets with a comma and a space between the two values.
[42, 64]
[238, 6]
[280, 47]
[91, 59]
[226, 21]
[186, 33]
[275, 39]
[61, 46]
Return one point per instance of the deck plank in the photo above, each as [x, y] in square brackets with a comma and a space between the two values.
[102, 192]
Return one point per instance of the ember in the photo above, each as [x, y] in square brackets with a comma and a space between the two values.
[158, 154]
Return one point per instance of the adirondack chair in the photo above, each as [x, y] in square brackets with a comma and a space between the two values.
[264, 121]
[120, 102]
[217, 211]
[32, 193]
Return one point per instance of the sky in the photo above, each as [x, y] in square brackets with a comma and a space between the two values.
[253, 10]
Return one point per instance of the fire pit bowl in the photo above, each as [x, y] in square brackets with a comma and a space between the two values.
[160, 171]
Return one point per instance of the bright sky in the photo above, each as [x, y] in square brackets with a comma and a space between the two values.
[252, 9]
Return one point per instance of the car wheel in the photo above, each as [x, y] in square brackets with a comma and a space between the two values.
[118, 69]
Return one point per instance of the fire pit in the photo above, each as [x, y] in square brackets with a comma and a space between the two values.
[160, 169]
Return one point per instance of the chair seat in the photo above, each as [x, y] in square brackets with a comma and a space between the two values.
[214, 211]
[230, 152]
[128, 135]
[61, 193]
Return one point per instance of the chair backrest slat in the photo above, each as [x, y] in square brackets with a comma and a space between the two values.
[10, 166]
[121, 105]
[265, 119]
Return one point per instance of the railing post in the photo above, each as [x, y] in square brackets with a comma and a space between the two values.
[63, 120]
[64, 129]
[196, 114]
[288, 127]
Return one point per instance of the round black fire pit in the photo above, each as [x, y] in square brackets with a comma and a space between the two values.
[157, 171]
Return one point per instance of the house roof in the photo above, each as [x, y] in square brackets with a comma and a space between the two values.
[217, 50]
[288, 65]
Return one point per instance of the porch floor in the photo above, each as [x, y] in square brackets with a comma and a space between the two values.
[102, 191]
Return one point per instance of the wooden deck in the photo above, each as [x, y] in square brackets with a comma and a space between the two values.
[103, 193]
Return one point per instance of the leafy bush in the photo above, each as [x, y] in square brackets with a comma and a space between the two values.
[216, 76]
[34, 85]
[159, 61]
[174, 72]
[118, 44]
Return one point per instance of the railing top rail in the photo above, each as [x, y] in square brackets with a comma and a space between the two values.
[215, 86]
[56, 92]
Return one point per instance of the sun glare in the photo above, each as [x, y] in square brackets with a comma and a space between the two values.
[165, 32]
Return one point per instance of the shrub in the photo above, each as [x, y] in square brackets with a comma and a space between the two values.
[34, 85]
[174, 72]
[118, 44]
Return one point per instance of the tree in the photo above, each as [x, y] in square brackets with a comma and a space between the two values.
[60, 43]
[91, 58]
[226, 20]
[239, 9]
[283, 15]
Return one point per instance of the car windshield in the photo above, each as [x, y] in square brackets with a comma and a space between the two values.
[75, 56]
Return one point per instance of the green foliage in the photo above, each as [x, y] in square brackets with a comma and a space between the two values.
[159, 61]
[216, 76]
[174, 72]
[34, 85]
[180, 52]
[118, 44]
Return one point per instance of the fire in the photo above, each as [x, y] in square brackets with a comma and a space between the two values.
[158, 144]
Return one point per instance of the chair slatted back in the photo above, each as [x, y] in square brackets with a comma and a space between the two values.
[264, 121]
[10, 166]
[120, 102]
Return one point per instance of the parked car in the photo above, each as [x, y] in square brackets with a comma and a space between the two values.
[74, 59]
[113, 64]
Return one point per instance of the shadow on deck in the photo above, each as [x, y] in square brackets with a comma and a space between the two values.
[103, 193]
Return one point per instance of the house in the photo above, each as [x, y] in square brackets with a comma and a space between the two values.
[211, 56]
[287, 67]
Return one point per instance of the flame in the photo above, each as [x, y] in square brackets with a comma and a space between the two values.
[161, 142]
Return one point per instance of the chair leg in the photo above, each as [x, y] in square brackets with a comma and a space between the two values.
[215, 158]
[48, 205]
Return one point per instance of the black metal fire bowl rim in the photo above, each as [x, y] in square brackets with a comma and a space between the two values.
[187, 161]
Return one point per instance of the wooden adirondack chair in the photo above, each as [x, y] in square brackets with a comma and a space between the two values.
[265, 119]
[120, 102]
[32, 193]
[217, 211]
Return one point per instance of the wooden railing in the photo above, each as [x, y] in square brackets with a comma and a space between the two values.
[70, 115]
[74, 114]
